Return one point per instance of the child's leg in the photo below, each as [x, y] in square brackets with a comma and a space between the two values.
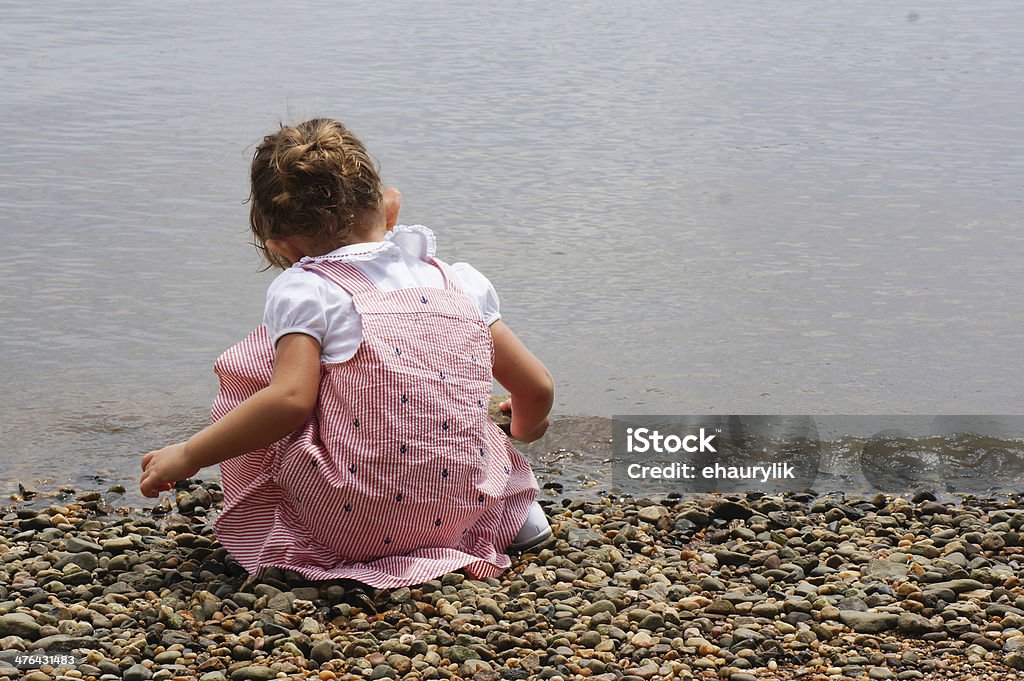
[534, 531]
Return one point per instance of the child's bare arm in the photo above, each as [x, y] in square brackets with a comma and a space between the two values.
[258, 422]
[526, 379]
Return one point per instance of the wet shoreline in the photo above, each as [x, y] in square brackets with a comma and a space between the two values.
[742, 587]
[575, 458]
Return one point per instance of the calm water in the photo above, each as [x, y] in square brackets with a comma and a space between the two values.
[765, 207]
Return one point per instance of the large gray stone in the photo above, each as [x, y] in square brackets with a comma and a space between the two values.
[137, 673]
[78, 545]
[915, 625]
[957, 586]
[322, 651]
[19, 624]
[887, 570]
[599, 606]
[868, 622]
[580, 538]
[253, 672]
[198, 498]
[118, 544]
[83, 559]
[63, 643]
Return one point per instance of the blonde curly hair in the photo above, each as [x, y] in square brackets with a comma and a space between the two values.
[313, 179]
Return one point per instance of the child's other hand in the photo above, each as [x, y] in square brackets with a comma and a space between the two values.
[164, 467]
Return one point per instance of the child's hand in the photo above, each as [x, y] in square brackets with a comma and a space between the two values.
[164, 467]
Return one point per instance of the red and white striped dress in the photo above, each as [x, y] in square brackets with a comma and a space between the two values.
[399, 476]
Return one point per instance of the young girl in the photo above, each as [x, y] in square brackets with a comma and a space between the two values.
[352, 427]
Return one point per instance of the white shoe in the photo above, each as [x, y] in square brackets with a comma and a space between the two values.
[534, 531]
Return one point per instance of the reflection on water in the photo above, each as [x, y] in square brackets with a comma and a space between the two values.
[767, 208]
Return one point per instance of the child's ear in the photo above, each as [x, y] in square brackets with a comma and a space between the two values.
[392, 204]
[285, 248]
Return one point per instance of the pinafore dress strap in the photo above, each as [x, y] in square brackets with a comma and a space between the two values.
[451, 280]
[345, 275]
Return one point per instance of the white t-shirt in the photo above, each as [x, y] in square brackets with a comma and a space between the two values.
[300, 301]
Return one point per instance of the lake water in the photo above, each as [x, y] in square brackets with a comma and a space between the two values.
[758, 207]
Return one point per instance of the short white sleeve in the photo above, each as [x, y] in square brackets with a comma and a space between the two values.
[299, 301]
[480, 290]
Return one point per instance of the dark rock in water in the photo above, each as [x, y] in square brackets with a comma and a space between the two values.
[923, 495]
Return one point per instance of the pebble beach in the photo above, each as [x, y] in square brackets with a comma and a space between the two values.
[745, 587]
